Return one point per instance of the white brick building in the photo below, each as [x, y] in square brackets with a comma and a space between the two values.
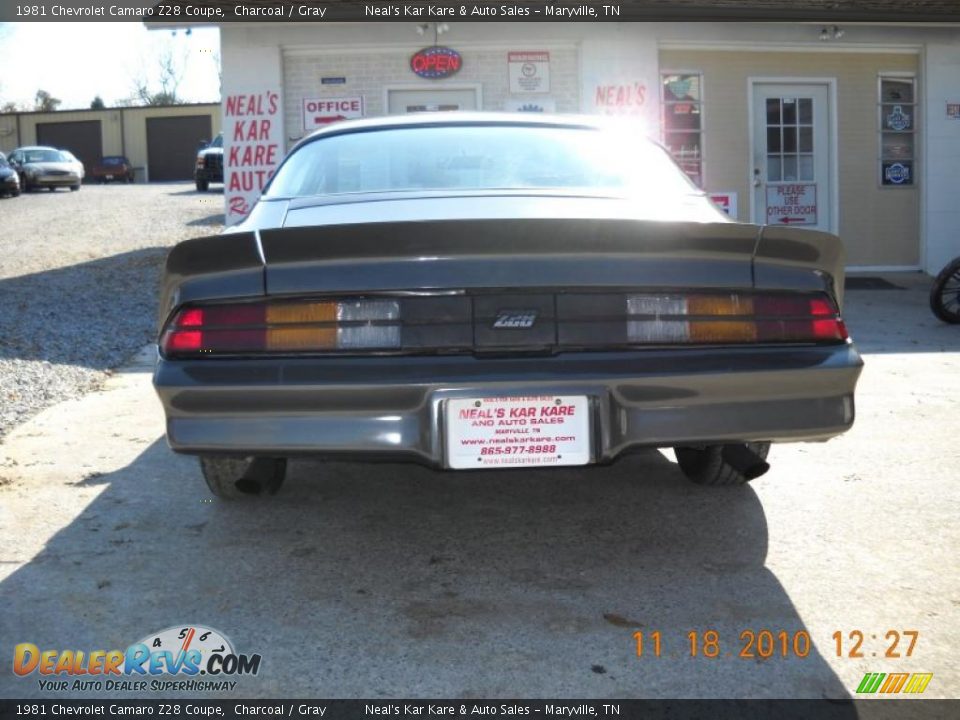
[862, 121]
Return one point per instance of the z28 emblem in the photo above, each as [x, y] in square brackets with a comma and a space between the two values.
[515, 319]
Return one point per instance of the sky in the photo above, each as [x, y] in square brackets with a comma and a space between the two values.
[77, 61]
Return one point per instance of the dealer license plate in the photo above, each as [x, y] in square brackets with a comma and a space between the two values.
[109, 177]
[543, 430]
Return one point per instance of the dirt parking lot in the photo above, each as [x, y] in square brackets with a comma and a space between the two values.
[393, 580]
[78, 279]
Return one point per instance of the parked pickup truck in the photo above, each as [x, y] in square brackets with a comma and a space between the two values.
[209, 166]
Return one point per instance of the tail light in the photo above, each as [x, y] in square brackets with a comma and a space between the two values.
[302, 326]
[733, 318]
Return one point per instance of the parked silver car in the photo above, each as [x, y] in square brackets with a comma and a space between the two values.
[41, 166]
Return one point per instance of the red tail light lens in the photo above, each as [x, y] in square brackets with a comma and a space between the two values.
[733, 318]
[285, 326]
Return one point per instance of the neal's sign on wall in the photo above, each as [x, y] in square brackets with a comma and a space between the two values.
[435, 63]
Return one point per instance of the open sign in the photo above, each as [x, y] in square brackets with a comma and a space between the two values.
[434, 63]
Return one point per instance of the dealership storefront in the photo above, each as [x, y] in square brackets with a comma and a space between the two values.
[853, 129]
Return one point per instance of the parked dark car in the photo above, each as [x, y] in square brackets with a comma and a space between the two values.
[209, 165]
[113, 168]
[41, 166]
[9, 180]
[483, 291]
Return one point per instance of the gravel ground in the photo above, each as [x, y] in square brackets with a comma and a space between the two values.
[78, 283]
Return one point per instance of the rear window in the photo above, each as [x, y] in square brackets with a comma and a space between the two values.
[478, 157]
[113, 161]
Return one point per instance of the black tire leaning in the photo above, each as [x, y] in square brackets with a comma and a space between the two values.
[706, 466]
[202, 185]
[945, 293]
[239, 478]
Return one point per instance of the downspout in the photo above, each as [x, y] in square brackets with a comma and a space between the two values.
[123, 134]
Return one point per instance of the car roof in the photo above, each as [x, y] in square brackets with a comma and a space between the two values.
[446, 119]
[38, 147]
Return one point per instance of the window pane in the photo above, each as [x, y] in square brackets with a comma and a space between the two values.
[681, 87]
[897, 117]
[897, 146]
[773, 140]
[790, 167]
[681, 116]
[773, 111]
[789, 111]
[896, 90]
[774, 169]
[806, 111]
[685, 148]
[790, 139]
[806, 139]
[897, 173]
[806, 167]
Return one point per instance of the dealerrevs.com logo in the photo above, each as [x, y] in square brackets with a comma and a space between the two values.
[186, 658]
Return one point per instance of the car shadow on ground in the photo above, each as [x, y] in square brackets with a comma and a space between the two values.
[215, 220]
[399, 581]
[212, 190]
[93, 314]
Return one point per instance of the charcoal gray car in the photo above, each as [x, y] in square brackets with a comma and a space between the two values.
[497, 291]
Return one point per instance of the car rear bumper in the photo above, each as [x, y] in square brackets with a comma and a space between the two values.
[391, 407]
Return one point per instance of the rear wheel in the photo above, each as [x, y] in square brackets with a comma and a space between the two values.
[233, 478]
[711, 465]
[73, 188]
[945, 293]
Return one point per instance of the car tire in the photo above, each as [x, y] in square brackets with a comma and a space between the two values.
[74, 188]
[238, 478]
[51, 188]
[707, 466]
[202, 185]
[945, 293]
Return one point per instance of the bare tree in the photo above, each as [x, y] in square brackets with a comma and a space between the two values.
[45, 102]
[170, 74]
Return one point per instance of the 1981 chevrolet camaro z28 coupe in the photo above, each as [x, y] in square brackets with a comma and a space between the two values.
[497, 291]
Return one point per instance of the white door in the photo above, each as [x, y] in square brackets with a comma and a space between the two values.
[400, 102]
[792, 155]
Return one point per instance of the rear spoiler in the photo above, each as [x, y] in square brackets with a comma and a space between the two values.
[523, 253]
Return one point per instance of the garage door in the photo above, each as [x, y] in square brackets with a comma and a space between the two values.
[83, 138]
[172, 145]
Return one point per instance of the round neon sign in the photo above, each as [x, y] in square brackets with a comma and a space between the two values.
[436, 62]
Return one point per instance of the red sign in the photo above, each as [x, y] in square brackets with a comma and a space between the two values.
[435, 62]
[252, 140]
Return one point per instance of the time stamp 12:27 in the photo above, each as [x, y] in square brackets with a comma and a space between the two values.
[766, 644]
